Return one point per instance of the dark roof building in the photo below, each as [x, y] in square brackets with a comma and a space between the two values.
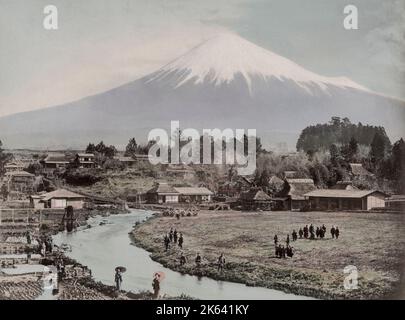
[255, 199]
[55, 161]
[294, 190]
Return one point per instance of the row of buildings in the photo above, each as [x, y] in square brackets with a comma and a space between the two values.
[85, 160]
[165, 193]
[302, 194]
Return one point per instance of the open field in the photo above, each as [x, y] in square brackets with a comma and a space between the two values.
[372, 242]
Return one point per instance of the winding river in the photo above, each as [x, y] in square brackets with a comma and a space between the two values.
[105, 246]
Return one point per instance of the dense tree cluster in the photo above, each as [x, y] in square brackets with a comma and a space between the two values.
[339, 131]
[325, 152]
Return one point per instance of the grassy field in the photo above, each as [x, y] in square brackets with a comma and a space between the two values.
[370, 241]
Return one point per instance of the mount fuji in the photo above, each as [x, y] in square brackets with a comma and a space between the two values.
[225, 82]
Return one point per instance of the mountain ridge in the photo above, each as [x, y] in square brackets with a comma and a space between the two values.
[279, 108]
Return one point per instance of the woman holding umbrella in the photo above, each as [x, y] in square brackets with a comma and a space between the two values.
[157, 278]
[118, 277]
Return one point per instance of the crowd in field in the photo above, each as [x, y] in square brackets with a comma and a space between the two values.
[303, 233]
[175, 239]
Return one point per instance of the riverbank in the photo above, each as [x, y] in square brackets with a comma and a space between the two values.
[19, 282]
[371, 242]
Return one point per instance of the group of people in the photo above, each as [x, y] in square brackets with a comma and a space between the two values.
[198, 260]
[45, 245]
[312, 233]
[173, 237]
[283, 251]
[303, 233]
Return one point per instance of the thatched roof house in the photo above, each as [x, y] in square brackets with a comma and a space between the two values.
[255, 199]
[357, 169]
[276, 184]
[294, 190]
[344, 185]
[55, 161]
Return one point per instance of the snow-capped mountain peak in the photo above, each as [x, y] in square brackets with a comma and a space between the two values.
[219, 59]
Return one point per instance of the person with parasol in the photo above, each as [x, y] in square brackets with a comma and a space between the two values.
[157, 278]
[118, 276]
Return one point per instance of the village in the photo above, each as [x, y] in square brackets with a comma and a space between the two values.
[217, 211]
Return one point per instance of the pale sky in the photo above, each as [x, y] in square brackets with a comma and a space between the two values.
[101, 44]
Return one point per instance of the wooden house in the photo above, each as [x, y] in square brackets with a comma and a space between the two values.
[327, 199]
[58, 199]
[194, 194]
[255, 199]
[85, 160]
[162, 193]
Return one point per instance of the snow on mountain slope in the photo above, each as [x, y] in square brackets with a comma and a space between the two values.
[226, 82]
[219, 59]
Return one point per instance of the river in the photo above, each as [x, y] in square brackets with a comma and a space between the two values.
[103, 247]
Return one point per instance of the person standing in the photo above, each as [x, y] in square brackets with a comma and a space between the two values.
[198, 260]
[181, 240]
[118, 279]
[171, 235]
[183, 259]
[301, 233]
[166, 242]
[337, 232]
[287, 241]
[332, 232]
[156, 285]
[221, 262]
[275, 239]
[175, 236]
[294, 235]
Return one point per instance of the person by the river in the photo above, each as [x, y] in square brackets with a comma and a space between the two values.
[198, 260]
[181, 240]
[306, 232]
[221, 262]
[118, 279]
[301, 233]
[287, 241]
[43, 249]
[156, 285]
[275, 239]
[183, 259]
[317, 232]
